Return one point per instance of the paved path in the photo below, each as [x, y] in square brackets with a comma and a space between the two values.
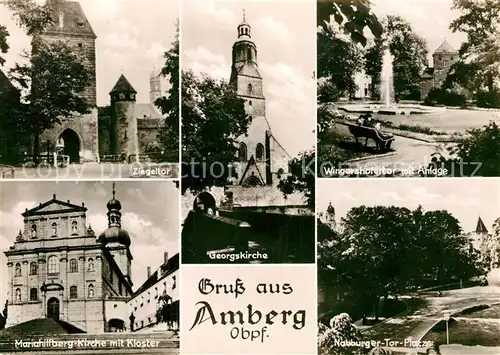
[417, 324]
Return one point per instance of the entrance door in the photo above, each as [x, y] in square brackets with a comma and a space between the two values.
[53, 308]
[71, 145]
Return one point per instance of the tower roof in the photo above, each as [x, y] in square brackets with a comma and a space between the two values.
[244, 29]
[330, 208]
[155, 73]
[445, 47]
[123, 85]
[481, 228]
[114, 233]
[68, 18]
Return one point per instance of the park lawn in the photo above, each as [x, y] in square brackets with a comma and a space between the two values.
[469, 332]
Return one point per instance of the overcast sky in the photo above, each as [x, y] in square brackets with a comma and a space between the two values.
[285, 36]
[466, 199]
[150, 214]
[430, 19]
[132, 36]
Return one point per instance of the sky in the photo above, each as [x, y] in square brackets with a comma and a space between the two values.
[132, 36]
[150, 213]
[285, 36]
[430, 19]
[466, 199]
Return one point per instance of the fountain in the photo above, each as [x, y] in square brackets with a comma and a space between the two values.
[386, 78]
[387, 106]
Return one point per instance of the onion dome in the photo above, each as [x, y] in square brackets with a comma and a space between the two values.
[114, 233]
[330, 208]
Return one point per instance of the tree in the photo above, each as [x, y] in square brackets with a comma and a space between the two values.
[302, 178]
[4, 46]
[339, 59]
[374, 255]
[53, 79]
[339, 44]
[169, 104]
[213, 118]
[476, 154]
[409, 52]
[480, 20]
[167, 312]
[353, 15]
[341, 329]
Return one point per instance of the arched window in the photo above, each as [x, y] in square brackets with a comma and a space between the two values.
[33, 231]
[54, 229]
[249, 54]
[17, 271]
[74, 228]
[91, 265]
[242, 152]
[249, 88]
[18, 295]
[91, 291]
[33, 268]
[73, 292]
[73, 265]
[259, 152]
[250, 103]
[174, 284]
[33, 294]
[52, 265]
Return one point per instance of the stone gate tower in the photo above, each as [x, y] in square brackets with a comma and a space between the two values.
[124, 137]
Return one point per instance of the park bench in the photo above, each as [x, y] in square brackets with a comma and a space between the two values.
[383, 143]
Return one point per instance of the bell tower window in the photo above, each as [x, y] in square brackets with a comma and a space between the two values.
[259, 152]
[249, 53]
[242, 152]
[249, 88]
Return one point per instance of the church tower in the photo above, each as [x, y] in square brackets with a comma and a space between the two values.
[154, 86]
[254, 149]
[444, 57]
[124, 135]
[116, 239]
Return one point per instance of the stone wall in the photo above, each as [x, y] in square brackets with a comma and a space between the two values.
[148, 129]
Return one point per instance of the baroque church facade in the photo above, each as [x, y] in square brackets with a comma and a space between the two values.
[126, 128]
[59, 268]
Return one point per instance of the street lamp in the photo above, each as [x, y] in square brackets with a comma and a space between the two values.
[446, 317]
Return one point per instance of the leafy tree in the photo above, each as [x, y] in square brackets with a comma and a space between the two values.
[169, 105]
[341, 329]
[4, 46]
[476, 154]
[302, 178]
[409, 52]
[339, 44]
[213, 117]
[339, 59]
[167, 312]
[480, 20]
[374, 255]
[53, 79]
[353, 15]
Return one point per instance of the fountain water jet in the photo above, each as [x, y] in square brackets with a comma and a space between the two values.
[387, 78]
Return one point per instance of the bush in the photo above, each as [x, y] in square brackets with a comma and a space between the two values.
[328, 91]
[488, 99]
[445, 97]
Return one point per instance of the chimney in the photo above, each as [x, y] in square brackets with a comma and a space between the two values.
[149, 271]
[165, 258]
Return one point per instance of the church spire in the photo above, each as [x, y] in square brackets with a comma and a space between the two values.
[244, 28]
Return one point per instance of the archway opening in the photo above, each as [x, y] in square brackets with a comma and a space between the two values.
[205, 203]
[116, 325]
[53, 308]
[71, 142]
[252, 181]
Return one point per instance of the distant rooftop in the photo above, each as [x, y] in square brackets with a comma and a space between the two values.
[445, 47]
